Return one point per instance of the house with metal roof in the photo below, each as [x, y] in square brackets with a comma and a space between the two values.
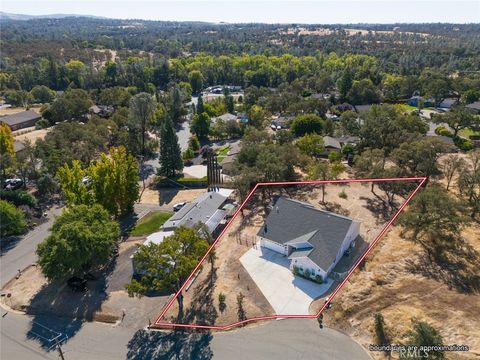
[21, 120]
[311, 238]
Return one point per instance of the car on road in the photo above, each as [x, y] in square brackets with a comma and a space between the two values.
[178, 206]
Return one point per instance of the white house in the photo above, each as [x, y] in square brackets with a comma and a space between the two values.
[313, 239]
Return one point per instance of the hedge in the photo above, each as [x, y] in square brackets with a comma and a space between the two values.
[19, 198]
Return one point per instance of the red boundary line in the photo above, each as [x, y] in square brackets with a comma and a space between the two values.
[159, 324]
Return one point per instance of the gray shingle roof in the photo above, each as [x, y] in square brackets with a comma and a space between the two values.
[200, 210]
[331, 142]
[475, 106]
[20, 117]
[290, 219]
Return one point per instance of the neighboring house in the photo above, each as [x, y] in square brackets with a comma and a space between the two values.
[101, 110]
[206, 209]
[21, 120]
[361, 109]
[343, 140]
[211, 209]
[281, 122]
[227, 163]
[331, 144]
[19, 147]
[474, 106]
[313, 239]
[447, 103]
[415, 100]
[225, 117]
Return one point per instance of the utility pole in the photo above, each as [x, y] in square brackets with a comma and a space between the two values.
[59, 348]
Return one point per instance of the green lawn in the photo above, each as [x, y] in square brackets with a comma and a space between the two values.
[409, 108]
[222, 153]
[467, 132]
[150, 223]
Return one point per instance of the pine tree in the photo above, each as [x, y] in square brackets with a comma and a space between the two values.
[170, 155]
[200, 107]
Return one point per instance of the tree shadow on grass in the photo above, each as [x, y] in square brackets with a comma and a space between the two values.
[380, 208]
[148, 345]
[459, 268]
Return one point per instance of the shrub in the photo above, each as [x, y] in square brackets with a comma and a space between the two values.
[319, 279]
[474, 137]
[306, 273]
[296, 271]
[19, 198]
[221, 302]
[193, 143]
[463, 144]
[42, 124]
[342, 194]
[188, 154]
[443, 131]
[335, 156]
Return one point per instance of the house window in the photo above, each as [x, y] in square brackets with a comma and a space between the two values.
[313, 272]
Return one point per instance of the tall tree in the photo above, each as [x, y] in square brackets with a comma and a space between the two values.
[459, 118]
[115, 181]
[175, 107]
[167, 265]
[7, 151]
[196, 81]
[170, 155]
[82, 239]
[432, 216]
[452, 165]
[311, 145]
[200, 108]
[141, 111]
[200, 125]
[469, 183]
[73, 184]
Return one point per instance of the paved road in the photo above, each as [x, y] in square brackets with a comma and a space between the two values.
[22, 253]
[278, 339]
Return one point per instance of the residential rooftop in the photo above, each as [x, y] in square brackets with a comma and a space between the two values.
[292, 221]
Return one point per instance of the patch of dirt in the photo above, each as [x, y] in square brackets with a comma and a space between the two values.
[388, 285]
[230, 278]
[201, 304]
[33, 136]
[14, 110]
[33, 294]
[169, 197]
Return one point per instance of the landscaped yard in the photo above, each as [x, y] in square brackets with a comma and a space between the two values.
[150, 223]
[468, 132]
[222, 153]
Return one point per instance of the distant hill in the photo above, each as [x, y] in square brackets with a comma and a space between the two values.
[9, 16]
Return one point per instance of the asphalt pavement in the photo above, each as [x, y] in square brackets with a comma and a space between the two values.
[22, 253]
[277, 339]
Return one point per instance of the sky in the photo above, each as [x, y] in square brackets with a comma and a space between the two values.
[264, 11]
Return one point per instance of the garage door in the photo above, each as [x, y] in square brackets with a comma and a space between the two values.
[273, 246]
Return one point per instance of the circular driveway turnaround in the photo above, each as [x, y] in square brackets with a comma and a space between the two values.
[286, 339]
[299, 339]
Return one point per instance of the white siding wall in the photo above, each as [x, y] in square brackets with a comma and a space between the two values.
[305, 263]
[273, 245]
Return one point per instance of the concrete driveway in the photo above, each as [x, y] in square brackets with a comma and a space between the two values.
[288, 294]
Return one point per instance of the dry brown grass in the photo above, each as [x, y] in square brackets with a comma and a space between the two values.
[388, 285]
